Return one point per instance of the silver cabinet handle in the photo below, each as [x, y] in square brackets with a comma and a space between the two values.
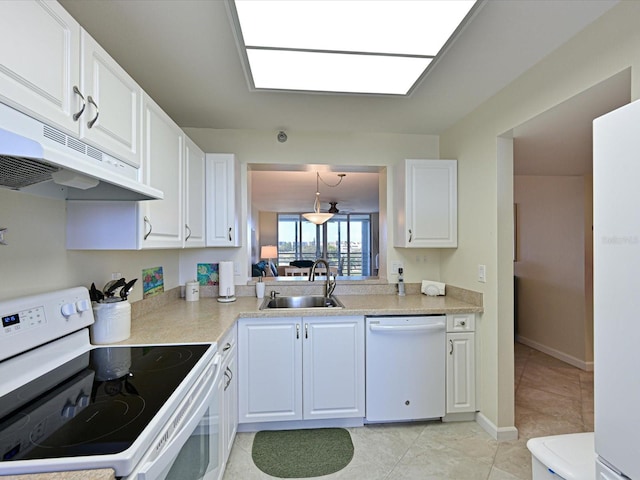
[451, 347]
[92, 102]
[76, 115]
[229, 374]
[147, 222]
[229, 233]
[297, 330]
[226, 347]
[410, 235]
[188, 232]
[306, 330]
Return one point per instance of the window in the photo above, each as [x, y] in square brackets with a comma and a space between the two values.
[345, 241]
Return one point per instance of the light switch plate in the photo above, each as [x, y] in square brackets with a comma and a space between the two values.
[395, 266]
[482, 273]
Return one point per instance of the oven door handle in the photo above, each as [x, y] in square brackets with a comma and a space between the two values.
[165, 450]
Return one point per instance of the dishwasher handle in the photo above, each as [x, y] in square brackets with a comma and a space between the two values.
[375, 327]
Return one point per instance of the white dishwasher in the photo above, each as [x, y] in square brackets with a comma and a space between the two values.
[405, 367]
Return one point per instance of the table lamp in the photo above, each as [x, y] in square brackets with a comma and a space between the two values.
[269, 252]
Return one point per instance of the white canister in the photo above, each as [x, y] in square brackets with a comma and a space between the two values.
[192, 291]
[112, 322]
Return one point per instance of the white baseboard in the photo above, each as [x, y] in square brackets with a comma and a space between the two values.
[576, 362]
[502, 434]
[301, 424]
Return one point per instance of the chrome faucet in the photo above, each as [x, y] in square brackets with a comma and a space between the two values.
[330, 284]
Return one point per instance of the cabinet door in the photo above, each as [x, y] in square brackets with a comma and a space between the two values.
[194, 195]
[333, 364]
[426, 197]
[40, 61]
[461, 384]
[111, 120]
[222, 200]
[230, 401]
[163, 169]
[270, 370]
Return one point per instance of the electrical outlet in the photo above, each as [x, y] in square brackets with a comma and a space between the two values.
[236, 268]
[482, 273]
[395, 266]
[116, 275]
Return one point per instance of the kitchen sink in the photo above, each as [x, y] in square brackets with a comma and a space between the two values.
[307, 301]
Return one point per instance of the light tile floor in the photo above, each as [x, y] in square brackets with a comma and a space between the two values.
[552, 398]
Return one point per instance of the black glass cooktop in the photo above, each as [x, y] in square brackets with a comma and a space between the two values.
[96, 404]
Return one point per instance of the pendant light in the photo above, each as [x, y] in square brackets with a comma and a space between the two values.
[316, 216]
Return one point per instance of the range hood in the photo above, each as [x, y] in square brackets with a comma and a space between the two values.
[37, 158]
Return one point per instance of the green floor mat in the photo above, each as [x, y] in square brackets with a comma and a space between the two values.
[302, 453]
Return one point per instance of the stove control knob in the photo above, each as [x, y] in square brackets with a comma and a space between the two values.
[83, 305]
[69, 410]
[82, 400]
[68, 309]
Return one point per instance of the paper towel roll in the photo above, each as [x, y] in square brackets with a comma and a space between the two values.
[226, 287]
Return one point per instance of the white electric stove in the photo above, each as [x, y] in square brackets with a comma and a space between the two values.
[147, 411]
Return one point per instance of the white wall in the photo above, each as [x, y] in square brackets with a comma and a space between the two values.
[552, 301]
[36, 260]
[605, 48]
[321, 148]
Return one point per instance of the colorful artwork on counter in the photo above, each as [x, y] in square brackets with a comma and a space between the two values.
[152, 281]
[208, 274]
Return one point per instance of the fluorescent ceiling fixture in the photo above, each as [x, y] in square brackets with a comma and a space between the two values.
[355, 46]
[316, 71]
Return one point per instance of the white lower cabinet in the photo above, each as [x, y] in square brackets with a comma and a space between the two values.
[461, 372]
[300, 368]
[229, 423]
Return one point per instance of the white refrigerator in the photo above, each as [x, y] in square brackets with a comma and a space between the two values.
[616, 235]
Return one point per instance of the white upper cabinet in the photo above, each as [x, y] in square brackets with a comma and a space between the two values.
[40, 61]
[122, 225]
[163, 167]
[426, 204]
[223, 200]
[111, 118]
[54, 71]
[194, 175]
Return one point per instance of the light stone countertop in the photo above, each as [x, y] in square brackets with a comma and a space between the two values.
[207, 320]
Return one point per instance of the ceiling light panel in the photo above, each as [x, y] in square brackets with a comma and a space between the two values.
[328, 72]
[382, 28]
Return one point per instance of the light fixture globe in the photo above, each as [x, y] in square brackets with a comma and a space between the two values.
[315, 216]
[318, 218]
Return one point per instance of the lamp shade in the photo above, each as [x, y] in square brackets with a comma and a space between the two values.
[317, 217]
[269, 252]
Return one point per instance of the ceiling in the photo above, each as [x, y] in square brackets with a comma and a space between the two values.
[183, 53]
[559, 141]
[357, 193]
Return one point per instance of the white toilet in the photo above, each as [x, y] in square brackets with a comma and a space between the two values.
[567, 457]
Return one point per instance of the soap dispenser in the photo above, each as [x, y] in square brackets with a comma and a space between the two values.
[260, 287]
[400, 283]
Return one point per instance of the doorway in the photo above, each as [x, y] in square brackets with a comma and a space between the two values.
[552, 190]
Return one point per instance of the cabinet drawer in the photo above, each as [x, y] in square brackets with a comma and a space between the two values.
[461, 322]
[228, 342]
